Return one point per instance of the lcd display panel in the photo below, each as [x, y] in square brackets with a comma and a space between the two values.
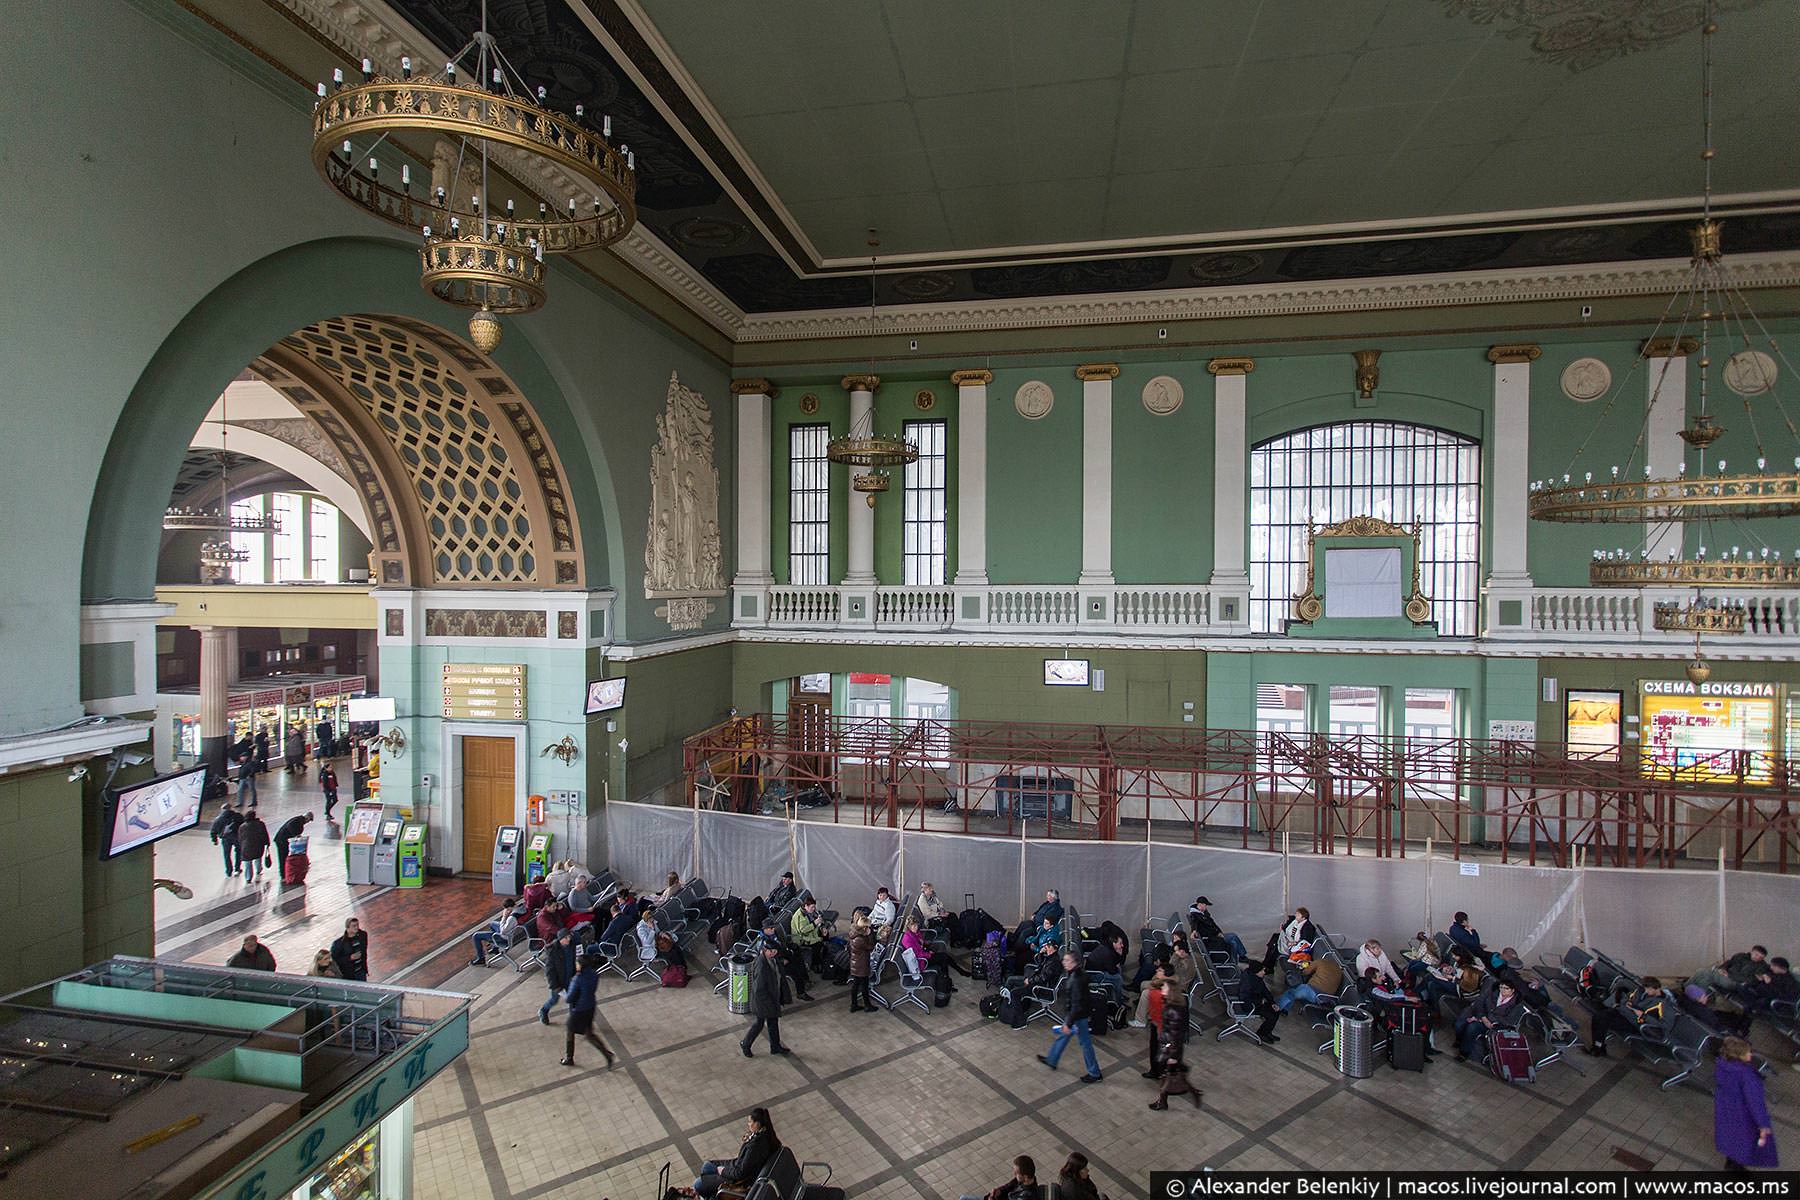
[1592, 723]
[604, 695]
[1065, 672]
[147, 812]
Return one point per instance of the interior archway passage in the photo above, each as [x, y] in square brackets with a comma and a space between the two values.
[413, 410]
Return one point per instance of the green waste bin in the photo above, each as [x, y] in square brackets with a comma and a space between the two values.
[737, 970]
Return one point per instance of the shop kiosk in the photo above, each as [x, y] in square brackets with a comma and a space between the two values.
[360, 829]
[537, 857]
[412, 855]
[509, 860]
[386, 858]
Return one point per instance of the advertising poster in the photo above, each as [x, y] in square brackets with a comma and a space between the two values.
[1592, 722]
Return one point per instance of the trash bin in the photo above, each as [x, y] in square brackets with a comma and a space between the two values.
[737, 973]
[1353, 1042]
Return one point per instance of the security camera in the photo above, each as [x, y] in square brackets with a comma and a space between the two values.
[78, 772]
[1587, 310]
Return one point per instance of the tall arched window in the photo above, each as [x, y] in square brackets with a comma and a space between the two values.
[1400, 473]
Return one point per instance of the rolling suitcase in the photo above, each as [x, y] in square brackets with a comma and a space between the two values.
[1509, 1057]
[1406, 1051]
[295, 866]
[943, 984]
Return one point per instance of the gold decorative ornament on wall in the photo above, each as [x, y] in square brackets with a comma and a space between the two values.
[809, 404]
[1368, 372]
[924, 400]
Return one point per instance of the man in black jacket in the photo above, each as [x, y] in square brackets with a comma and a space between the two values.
[291, 828]
[559, 970]
[224, 835]
[1078, 1006]
[1254, 991]
[1206, 928]
[351, 952]
[253, 844]
[765, 1000]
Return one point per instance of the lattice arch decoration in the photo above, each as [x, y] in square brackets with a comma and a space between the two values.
[490, 504]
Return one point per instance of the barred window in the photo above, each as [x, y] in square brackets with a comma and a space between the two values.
[1399, 473]
[809, 505]
[927, 504]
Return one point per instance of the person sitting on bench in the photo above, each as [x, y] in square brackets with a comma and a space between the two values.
[783, 891]
[499, 932]
[1108, 960]
[759, 1145]
[1650, 1008]
[1773, 982]
[1206, 928]
[1465, 934]
[931, 908]
[882, 912]
[1022, 1186]
[1372, 955]
[1254, 992]
[1051, 910]
[1498, 1009]
[809, 930]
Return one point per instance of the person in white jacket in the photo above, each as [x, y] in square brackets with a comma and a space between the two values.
[882, 914]
[1372, 955]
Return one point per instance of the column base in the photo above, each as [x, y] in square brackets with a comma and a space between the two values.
[1094, 579]
[212, 757]
[1506, 606]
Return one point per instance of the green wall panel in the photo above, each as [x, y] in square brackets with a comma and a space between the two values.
[107, 670]
[667, 698]
[1162, 469]
[1034, 481]
[41, 876]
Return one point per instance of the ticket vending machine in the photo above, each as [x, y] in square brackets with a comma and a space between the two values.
[411, 852]
[385, 863]
[537, 857]
[509, 860]
[361, 827]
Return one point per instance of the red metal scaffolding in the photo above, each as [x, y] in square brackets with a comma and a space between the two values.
[1353, 794]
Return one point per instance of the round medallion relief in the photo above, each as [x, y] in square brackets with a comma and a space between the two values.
[1750, 372]
[1586, 379]
[1034, 399]
[809, 404]
[1163, 395]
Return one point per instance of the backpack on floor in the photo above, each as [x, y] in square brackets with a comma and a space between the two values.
[989, 1006]
[1509, 1057]
[1012, 1007]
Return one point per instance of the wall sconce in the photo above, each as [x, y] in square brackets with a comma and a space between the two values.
[565, 751]
[393, 741]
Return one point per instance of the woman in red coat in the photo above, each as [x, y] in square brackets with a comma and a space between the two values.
[1742, 1131]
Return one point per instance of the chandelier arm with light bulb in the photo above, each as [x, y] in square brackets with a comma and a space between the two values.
[1704, 498]
[1688, 572]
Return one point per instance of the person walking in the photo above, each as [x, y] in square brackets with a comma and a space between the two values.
[224, 835]
[583, 998]
[351, 952]
[1742, 1131]
[1172, 1048]
[765, 1000]
[1078, 1005]
[253, 844]
[323, 966]
[559, 970]
[262, 750]
[862, 945]
[246, 793]
[289, 829]
[329, 785]
[322, 731]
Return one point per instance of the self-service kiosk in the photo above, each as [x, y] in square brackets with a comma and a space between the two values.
[509, 860]
[411, 852]
[537, 857]
[385, 868]
[361, 826]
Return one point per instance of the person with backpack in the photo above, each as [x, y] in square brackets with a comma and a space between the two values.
[253, 844]
[583, 999]
[1078, 1006]
[224, 835]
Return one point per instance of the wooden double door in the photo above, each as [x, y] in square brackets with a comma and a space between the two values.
[488, 797]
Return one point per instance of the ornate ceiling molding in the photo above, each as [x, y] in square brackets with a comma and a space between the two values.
[1359, 295]
[370, 29]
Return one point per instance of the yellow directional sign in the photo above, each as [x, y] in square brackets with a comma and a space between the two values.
[484, 691]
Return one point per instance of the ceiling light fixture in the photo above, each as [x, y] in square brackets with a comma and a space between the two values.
[218, 555]
[862, 446]
[475, 253]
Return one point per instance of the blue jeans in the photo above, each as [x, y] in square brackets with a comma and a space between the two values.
[1237, 946]
[1303, 992]
[1115, 985]
[1079, 1029]
[555, 995]
[484, 939]
[708, 1182]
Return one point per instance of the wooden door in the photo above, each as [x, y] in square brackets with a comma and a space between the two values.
[809, 732]
[487, 765]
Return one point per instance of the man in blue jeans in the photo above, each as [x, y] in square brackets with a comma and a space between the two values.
[559, 970]
[1072, 994]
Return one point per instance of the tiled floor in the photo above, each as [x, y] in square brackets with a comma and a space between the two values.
[935, 1104]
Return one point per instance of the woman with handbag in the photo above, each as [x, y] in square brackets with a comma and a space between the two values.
[1172, 1048]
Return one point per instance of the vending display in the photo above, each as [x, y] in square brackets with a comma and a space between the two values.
[1690, 730]
[351, 1175]
[1592, 722]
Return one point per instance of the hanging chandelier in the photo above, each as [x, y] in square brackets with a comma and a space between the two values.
[217, 554]
[474, 254]
[862, 446]
[1709, 311]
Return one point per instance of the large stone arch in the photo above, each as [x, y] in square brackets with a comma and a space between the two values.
[337, 324]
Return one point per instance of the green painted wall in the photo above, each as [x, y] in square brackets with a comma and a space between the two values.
[1162, 478]
[1623, 674]
[667, 698]
[1034, 480]
[107, 670]
[1143, 687]
[40, 876]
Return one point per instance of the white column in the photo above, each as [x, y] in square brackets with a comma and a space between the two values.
[1096, 472]
[218, 652]
[1231, 456]
[971, 477]
[1666, 397]
[861, 520]
[753, 578]
[1512, 447]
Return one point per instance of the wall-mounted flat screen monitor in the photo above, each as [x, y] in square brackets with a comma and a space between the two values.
[362, 709]
[143, 813]
[1065, 672]
[604, 695]
[816, 684]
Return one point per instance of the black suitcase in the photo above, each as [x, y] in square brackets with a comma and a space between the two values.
[1406, 1051]
[989, 1006]
[943, 986]
[1012, 1007]
[1406, 1016]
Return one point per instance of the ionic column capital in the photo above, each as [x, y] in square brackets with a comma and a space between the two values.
[861, 383]
[1514, 352]
[754, 387]
[978, 377]
[1670, 347]
[1238, 365]
[1089, 372]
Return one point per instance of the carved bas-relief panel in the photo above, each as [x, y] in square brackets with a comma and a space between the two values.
[681, 553]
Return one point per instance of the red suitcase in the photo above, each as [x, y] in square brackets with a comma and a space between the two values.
[1509, 1057]
[294, 868]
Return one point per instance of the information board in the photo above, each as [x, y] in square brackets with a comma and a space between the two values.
[484, 691]
[1690, 729]
[1592, 722]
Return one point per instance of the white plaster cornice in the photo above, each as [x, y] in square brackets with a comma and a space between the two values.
[1587, 281]
[676, 645]
[71, 743]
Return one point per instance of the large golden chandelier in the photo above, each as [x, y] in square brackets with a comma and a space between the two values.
[474, 253]
[862, 446]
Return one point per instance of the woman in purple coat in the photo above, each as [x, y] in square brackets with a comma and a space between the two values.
[1742, 1131]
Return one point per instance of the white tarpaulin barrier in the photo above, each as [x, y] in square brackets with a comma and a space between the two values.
[844, 864]
[1760, 910]
[1101, 880]
[1359, 897]
[1243, 885]
[957, 864]
[1655, 922]
[743, 854]
[648, 841]
[1535, 910]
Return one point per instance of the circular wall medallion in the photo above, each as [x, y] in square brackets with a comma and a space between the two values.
[1750, 372]
[1586, 379]
[1034, 399]
[929, 286]
[809, 404]
[1163, 395]
[925, 400]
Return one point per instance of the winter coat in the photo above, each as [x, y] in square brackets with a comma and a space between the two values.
[755, 1152]
[253, 838]
[765, 987]
[261, 960]
[1739, 1111]
[1172, 1030]
[861, 944]
[1072, 991]
[1049, 908]
[351, 954]
[225, 825]
[583, 989]
[559, 965]
[290, 829]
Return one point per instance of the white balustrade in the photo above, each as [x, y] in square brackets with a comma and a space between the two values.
[804, 606]
[1033, 606]
[1628, 615]
[1162, 608]
[1586, 610]
[923, 607]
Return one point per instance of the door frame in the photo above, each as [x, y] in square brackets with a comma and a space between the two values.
[445, 812]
